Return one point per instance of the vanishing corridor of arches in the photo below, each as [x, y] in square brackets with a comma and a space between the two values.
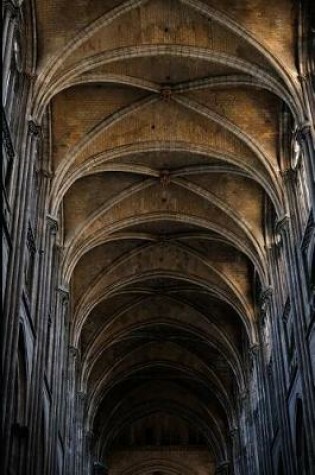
[158, 237]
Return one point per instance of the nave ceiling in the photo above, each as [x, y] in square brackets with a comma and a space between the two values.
[164, 120]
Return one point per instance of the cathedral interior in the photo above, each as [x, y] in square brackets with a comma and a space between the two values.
[158, 218]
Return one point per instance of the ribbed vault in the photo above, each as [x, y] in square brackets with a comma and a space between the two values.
[164, 122]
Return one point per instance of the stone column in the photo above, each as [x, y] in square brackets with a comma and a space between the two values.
[264, 406]
[235, 438]
[80, 435]
[15, 279]
[43, 304]
[70, 438]
[246, 402]
[258, 399]
[19, 232]
[280, 374]
[58, 362]
[243, 436]
[303, 356]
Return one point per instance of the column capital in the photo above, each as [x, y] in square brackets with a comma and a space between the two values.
[303, 131]
[302, 77]
[73, 351]
[265, 295]
[81, 396]
[46, 174]
[254, 349]
[30, 76]
[34, 128]
[14, 9]
[243, 395]
[265, 298]
[234, 431]
[52, 224]
[289, 175]
[64, 293]
[282, 224]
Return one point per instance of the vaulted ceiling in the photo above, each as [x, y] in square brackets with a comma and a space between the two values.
[165, 118]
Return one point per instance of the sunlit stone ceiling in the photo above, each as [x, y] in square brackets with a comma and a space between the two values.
[164, 147]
